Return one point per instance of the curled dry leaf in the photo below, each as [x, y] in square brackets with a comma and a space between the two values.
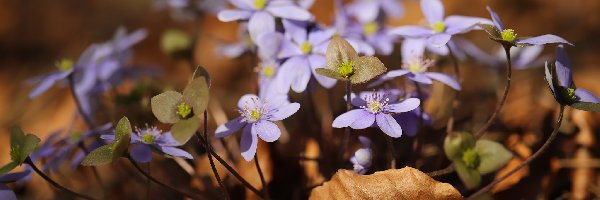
[405, 183]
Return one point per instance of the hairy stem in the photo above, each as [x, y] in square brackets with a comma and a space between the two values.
[52, 182]
[347, 130]
[528, 160]
[210, 158]
[159, 182]
[492, 118]
[262, 178]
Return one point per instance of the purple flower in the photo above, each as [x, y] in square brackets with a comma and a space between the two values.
[144, 140]
[185, 10]
[361, 160]
[416, 70]
[305, 52]
[68, 147]
[440, 29]
[5, 192]
[375, 34]
[256, 120]
[376, 109]
[560, 81]
[236, 49]
[343, 26]
[417, 46]
[366, 11]
[260, 14]
[509, 37]
[522, 57]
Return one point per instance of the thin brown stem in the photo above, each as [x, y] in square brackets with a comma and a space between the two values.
[159, 182]
[210, 158]
[528, 160]
[347, 130]
[492, 118]
[54, 183]
[420, 134]
[262, 178]
[442, 172]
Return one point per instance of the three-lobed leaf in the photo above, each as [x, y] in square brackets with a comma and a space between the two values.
[21, 145]
[456, 143]
[183, 130]
[196, 95]
[8, 167]
[100, 156]
[366, 68]
[164, 106]
[492, 155]
[470, 177]
[330, 73]
[339, 51]
[122, 137]
[586, 106]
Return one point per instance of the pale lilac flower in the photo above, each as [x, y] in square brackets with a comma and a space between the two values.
[560, 81]
[67, 148]
[417, 46]
[305, 52]
[342, 26]
[415, 69]
[375, 34]
[439, 30]
[5, 192]
[366, 11]
[508, 36]
[363, 157]
[236, 49]
[256, 120]
[522, 57]
[261, 14]
[376, 109]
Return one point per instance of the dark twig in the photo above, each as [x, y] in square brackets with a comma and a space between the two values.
[492, 118]
[52, 182]
[442, 172]
[262, 178]
[420, 133]
[347, 130]
[528, 160]
[210, 158]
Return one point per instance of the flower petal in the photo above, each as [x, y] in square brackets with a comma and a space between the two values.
[295, 30]
[439, 40]
[248, 143]
[288, 49]
[445, 79]
[318, 61]
[346, 119]
[6, 193]
[586, 96]
[411, 31]
[404, 106]
[364, 11]
[247, 101]
[321, 36]
[268, 45]
[177, 152]
[290, 12]
[549, 80]
[266, 130]
[141, 153]
[421, 78]
[296, 71]
[388, 125]
[495, 19]
[563, 67]
[526, 56]
[243, 4]
[233, 15]
[366, 120]
[393, 8]
[284, 112]
[260, 22]
[543, 39]
[433, 10]
[230, 127]
[457, 24]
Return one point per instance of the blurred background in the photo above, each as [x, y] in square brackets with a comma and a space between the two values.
[35, 34]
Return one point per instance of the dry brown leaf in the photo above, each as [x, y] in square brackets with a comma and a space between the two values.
[512, 179]
[405, 183]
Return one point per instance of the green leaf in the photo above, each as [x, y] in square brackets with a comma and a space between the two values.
[201, 72]
[21, 145]
[586, 106]
[470, 177]
[492, 156]
[183, 130]
[339, 51]
[330, 73]
[122, 137]
[492, 31]
[196, 95]
[456, 143]
[367, 68]
[164, 106]
[8, 167]
[100, 156]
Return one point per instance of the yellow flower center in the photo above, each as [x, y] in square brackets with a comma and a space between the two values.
[75, 136]
[260, 4]
[184, 110]
[268, 71]
[370, 28]
[374, 106]
[414, 67]
[508, 35]
[305, 47]
[65, 64]
[438, 27]
[255, 115]
[346, 69]
[471, 158]
[148, 138]
[567, 94]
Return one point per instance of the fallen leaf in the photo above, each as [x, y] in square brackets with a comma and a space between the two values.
[405, 183]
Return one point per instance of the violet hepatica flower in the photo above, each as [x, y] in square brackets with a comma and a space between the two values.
[67, 148]
[369, 10]
[508, 37]
[256, 120]
[439, 30]
[236, 49]
[522, 57]
[343, 26]
[376, 109]
[261, 14]
[5, 192]
[361, 160]
[416, 70]
[305, 52]
[144, 140]
[560, 81]
[375, 34]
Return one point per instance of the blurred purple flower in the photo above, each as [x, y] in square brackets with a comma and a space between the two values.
[361, 160]
[144, 140]
[5, 192]
[375, 34]
[509, 35]
[366, 11]
[563, 88]
[185, 10]
[376, 109]
[305, 52]
[416, 70]
[236, 49]
[440, 29]
[261, 14]
[256, 120]
[343, 27]
[522, 57]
